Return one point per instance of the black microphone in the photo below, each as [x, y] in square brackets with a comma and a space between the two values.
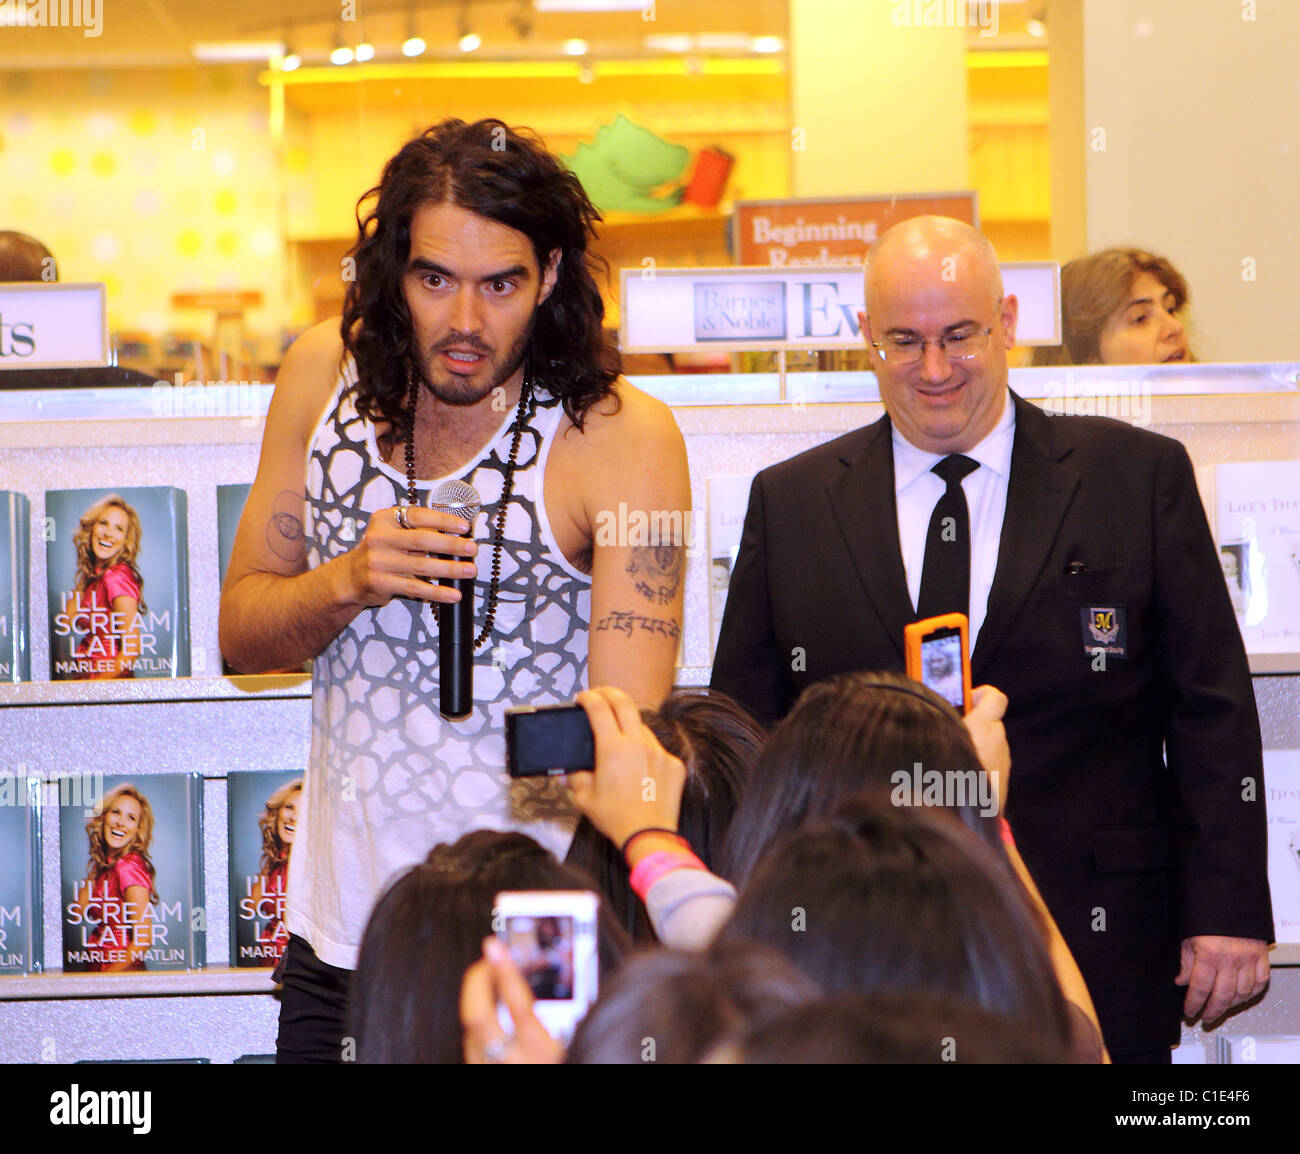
[456, 619]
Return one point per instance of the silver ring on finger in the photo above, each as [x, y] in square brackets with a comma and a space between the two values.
[402, 522]
[495, 1051]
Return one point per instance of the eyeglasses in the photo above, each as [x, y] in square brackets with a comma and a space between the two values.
[958, 346]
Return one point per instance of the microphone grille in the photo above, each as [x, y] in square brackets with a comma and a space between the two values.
[458, 498]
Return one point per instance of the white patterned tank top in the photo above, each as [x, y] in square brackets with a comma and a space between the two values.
[388, 777]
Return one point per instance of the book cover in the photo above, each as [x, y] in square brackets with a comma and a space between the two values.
[1256, 518]
[118, 583]
[263, 817]
[1282, 803]
[231, 500]
[15, 646]
[728, 501]
[20, 875]
[131, 866]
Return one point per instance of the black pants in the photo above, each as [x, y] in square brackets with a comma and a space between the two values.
[313, 1008]
[1160, 1056]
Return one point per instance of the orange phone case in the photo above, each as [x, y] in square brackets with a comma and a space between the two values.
[912, 635]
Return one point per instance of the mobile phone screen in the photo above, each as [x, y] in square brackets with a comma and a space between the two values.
[542, 948]
[941, 659]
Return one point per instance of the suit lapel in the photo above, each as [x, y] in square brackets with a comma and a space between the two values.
[863, 506]
[1038, 494]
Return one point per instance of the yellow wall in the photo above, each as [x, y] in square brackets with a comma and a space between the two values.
[158, 182]
[152, 182]
[882, 107]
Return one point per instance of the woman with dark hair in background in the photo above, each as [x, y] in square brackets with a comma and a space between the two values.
[669, 1006]
[894, 1027]
[429, 927]
[1120, 306]
[846, 734]
[24, 258]
[879, 897]
[718, 742]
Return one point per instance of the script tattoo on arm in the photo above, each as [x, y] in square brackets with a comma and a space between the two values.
[284, 531]
[658, 571]
[626, 623]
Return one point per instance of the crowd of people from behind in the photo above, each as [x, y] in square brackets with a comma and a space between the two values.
[911, 929]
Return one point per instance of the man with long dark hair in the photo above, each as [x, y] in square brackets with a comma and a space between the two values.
[470, 347]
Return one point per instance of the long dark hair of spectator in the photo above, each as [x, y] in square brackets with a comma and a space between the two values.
[670, 1006]
[880, 897]
[506, 175]
[429, 927]
[846, 734]
[718, 741]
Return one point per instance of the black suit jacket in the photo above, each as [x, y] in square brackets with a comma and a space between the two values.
[1133, 849]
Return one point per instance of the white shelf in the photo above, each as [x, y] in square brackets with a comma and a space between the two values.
[175, 983]
[142, 691]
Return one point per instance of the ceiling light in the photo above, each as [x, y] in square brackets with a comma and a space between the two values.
[226, 51]
[469, 41]
[365, 52]
[341, 55]
[290, 62]
[414, 46]
[678, 44]
[588, 5]
[722, 42]
[576, 47]
[767, 44]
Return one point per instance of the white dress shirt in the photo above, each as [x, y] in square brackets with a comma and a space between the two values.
[917, 492]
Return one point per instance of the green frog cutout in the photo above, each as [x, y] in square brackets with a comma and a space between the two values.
[626, 164]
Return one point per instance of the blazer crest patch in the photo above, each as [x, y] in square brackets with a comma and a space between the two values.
[1105, 627]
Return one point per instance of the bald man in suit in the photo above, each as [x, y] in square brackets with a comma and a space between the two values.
[1096, 603]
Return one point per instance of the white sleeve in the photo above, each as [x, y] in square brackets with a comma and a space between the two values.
[688, 906]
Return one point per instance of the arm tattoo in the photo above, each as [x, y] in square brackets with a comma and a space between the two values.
[658, 571]
[626, 623]
[284, 531]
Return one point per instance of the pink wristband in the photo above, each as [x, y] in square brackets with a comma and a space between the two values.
[653, 866]
[1004, 828]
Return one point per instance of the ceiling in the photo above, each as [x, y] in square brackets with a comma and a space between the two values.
[163, 33]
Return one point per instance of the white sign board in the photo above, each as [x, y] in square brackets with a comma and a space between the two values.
[733, 309]
[53, 326]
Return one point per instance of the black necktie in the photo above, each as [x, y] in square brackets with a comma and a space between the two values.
[945, 575]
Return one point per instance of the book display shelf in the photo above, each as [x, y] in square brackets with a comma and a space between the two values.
[213, 725]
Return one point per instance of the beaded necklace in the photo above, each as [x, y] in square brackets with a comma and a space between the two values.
[499, 528]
